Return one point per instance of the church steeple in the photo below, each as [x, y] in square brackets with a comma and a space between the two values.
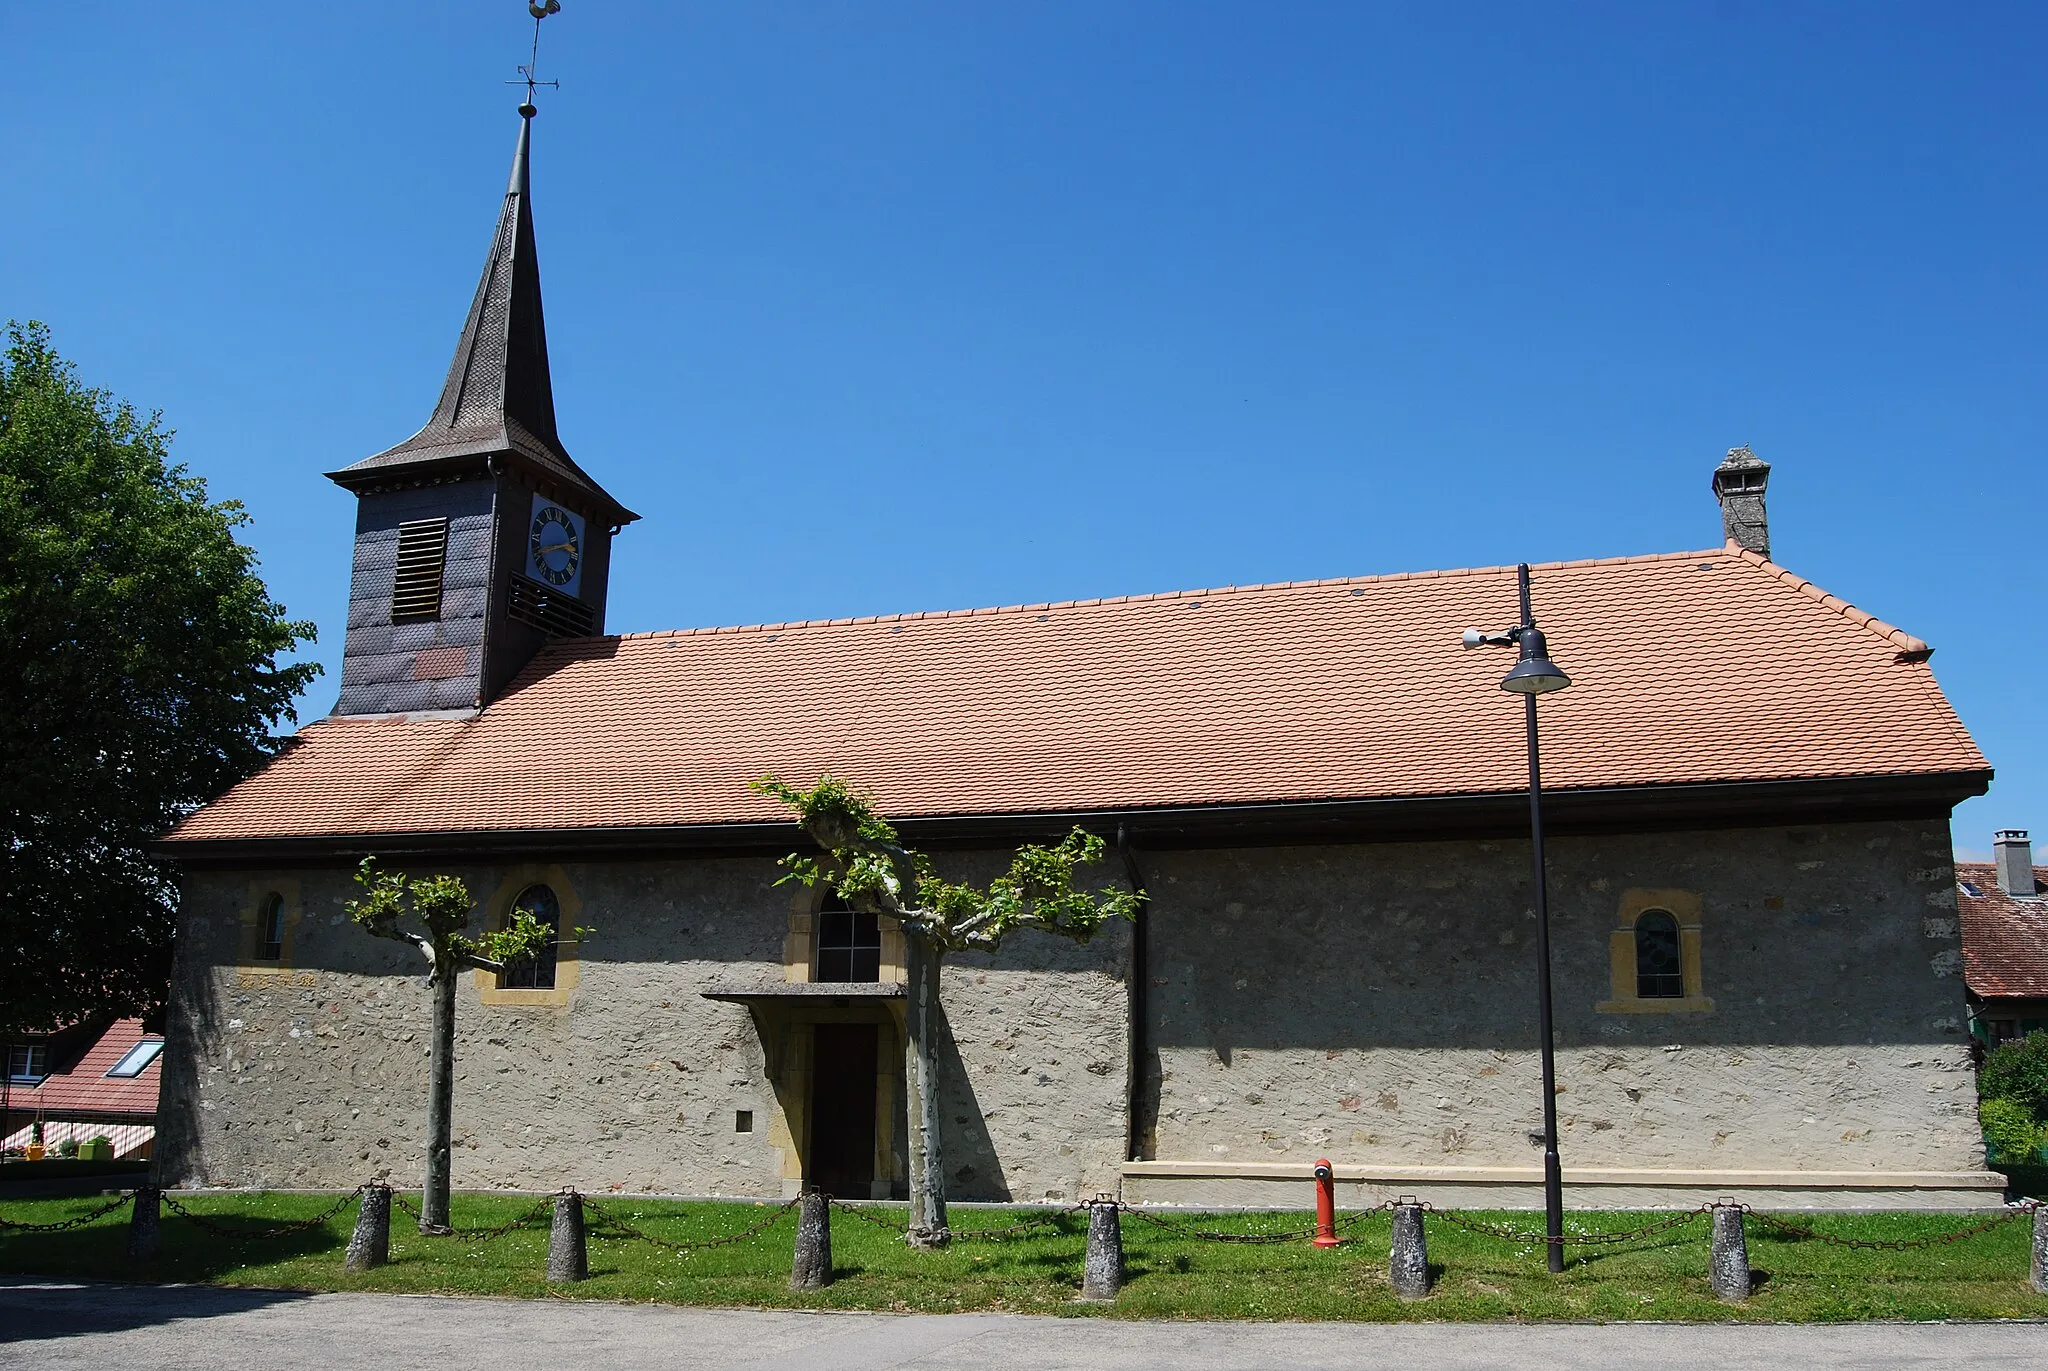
[478, 538]
[498, 400]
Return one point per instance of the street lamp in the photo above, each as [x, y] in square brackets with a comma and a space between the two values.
[1535, 674]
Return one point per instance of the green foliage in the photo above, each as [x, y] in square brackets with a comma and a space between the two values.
[1170, 1275]
[2010, 1129]
[866, 863]
[441, 905]
[2018, 1071]
[68, 1148]
[139, 665]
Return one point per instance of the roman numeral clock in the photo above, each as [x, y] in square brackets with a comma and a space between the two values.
[555, 546]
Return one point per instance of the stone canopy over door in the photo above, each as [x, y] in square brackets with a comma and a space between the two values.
[834, 1056]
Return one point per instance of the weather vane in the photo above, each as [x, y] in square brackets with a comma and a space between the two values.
[540, 10]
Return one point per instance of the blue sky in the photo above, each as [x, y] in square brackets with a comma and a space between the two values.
[886, 306]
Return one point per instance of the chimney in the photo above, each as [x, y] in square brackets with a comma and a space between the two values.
[1739, 485]
[2015, 859]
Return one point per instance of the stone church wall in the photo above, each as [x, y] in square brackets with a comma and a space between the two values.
[313, 1072]
[1374, 1004]
[1377, 1004]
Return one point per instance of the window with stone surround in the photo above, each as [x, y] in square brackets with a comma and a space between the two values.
[849, 943]
[270, 929]
[536, 970]
[1658, 976]
[550, 977]
[1655, 955]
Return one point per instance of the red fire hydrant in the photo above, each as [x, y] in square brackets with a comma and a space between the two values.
[1326, 1205]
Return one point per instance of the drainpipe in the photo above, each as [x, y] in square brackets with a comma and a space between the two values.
[1140, 985]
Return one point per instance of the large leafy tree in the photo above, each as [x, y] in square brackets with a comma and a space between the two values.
[867, 864]
[139, 678]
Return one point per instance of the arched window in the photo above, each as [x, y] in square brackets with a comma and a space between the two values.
[536, 970]
[270, 929]
[1659, 972]
[849, 943]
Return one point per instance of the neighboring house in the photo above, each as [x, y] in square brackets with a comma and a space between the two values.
[2003, 908]
[1749, 789]
[82, 1082]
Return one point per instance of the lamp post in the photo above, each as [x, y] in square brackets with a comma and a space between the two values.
[1535, 674]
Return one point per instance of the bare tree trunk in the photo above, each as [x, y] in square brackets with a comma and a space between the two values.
[440, 1102]
[921, 1065]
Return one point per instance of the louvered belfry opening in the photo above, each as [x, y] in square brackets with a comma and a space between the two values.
[422, 558]
[549, 610]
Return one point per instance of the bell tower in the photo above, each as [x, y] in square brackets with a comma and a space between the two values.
[478, 538]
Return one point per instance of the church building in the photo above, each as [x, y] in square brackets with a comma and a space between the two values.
[1748, 788]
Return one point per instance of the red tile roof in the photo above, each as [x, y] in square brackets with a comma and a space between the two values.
[2005, 941]
[84, 1088]
[1713, 666]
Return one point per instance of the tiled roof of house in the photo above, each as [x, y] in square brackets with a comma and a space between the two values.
[2005, 941]
[1696, 667]
[83, 1087]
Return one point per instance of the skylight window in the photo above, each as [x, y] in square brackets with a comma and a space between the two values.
[137, 1058]
[1970, 888]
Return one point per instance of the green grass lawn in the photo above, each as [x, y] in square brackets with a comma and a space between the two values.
[1170, 1275]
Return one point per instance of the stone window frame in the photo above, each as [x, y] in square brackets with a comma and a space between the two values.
[568, 962]
[800, 943]
[550, 955]
[1685, 907]
[251, 967]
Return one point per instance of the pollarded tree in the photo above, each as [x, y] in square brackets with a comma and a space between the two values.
[868, 866]
[441, 905]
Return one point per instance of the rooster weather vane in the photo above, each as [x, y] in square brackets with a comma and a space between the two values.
[539, 9]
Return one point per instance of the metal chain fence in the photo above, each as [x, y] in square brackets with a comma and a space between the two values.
[1207, 1235]
[1524, 1236]
[869, 1216]
[619, 1228]
[611, 1225]
[476, 1235]
[283, 1230]
[125, 1197]
[1015, 1230]
[1893, 1244]
[951, 1234]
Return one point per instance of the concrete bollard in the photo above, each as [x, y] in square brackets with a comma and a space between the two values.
[370, 1244]
[1728, 1265]
[1408, 1264]
[568, 1255]
[2037, 1272]
[1102, 1273]
[811, 1269]
[143, 1224]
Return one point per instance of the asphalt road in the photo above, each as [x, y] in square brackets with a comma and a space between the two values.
[203, 1329]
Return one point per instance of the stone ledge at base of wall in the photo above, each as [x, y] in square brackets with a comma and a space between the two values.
[1256, 1185]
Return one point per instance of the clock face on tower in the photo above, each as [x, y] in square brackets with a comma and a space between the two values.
[555, 545]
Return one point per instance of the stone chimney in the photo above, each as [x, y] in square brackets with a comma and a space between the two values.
[2015, 861]
[1739, 485]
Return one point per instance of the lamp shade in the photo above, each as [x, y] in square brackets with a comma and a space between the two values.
[1535, 674]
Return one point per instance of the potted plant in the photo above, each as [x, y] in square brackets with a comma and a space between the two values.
[98, 1148]
[68, 1149]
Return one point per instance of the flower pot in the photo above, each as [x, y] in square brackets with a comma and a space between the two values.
[96, 1151]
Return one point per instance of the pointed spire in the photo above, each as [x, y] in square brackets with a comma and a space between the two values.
[498, 401]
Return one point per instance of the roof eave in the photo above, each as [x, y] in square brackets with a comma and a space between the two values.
[1393, 819]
